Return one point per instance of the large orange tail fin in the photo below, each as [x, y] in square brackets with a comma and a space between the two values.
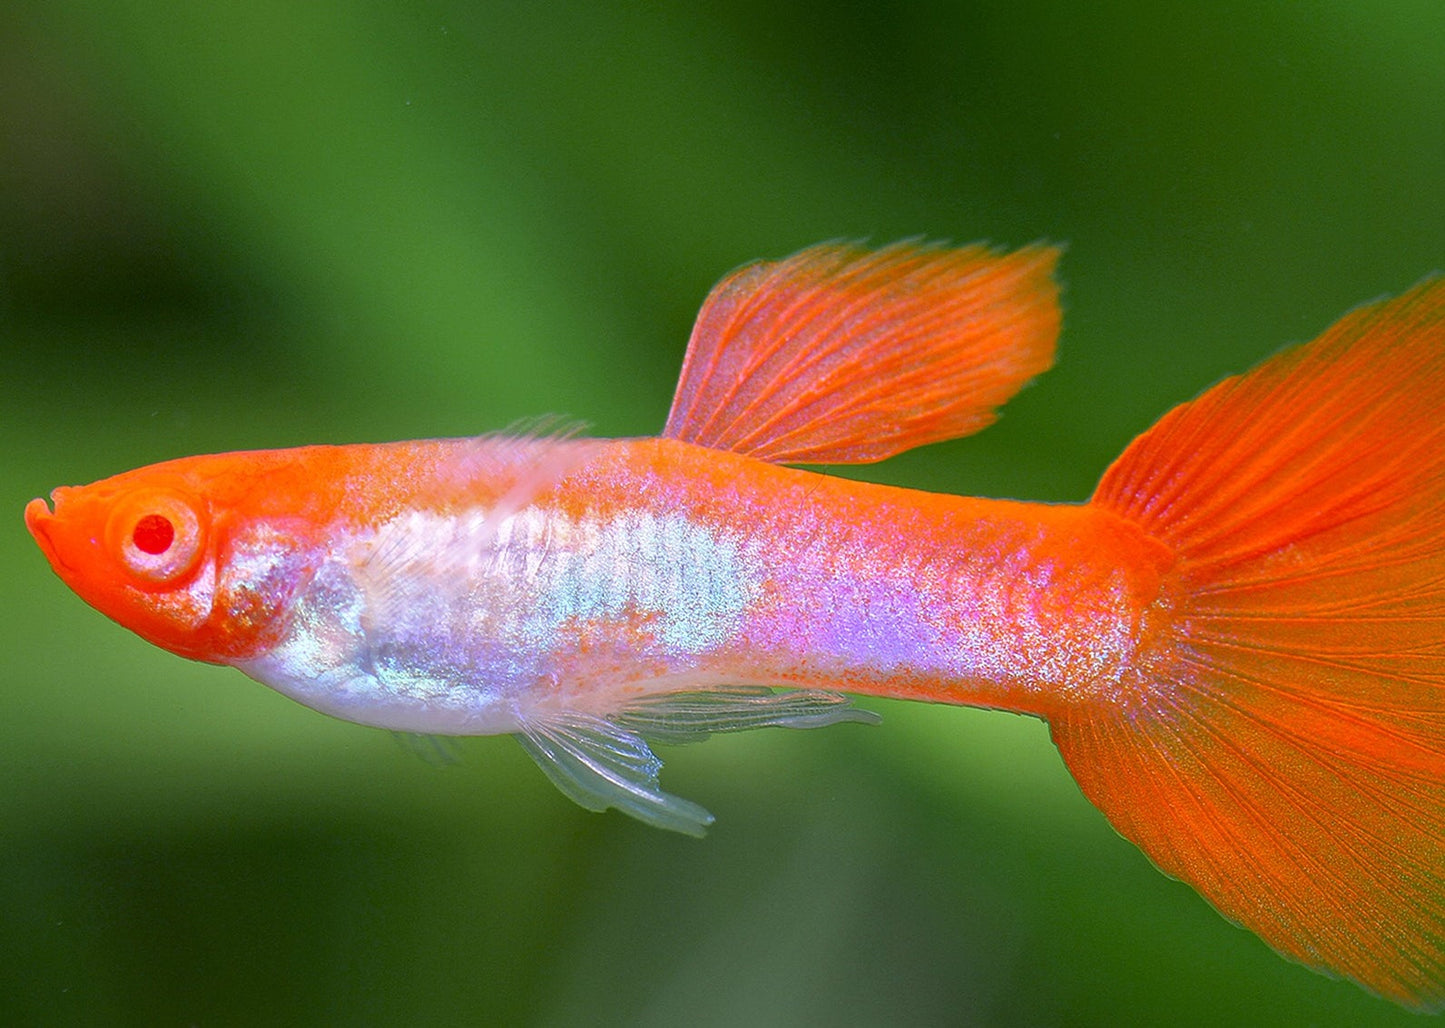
[1283, 748]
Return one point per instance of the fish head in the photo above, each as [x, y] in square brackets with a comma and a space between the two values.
[171, 552]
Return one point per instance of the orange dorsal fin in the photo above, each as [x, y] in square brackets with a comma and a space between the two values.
[1280, 742]
[840, 354]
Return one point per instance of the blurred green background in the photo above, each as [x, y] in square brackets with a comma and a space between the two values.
[264, 224]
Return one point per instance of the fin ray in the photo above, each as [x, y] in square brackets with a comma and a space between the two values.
[437, 750]
[843, 355]
[1283, 749]
[602, 762]
[599, 765]
[693, 716]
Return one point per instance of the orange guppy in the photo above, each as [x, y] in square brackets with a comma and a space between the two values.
[1238, 642]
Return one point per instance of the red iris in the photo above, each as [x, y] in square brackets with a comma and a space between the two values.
[153, 534]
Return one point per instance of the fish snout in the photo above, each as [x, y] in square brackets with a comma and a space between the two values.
[38, 519]
[47, 526]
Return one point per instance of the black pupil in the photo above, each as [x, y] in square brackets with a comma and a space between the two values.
[153, 534]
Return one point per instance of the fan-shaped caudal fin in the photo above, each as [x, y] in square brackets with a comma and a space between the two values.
[844, 355]
[1282, 747]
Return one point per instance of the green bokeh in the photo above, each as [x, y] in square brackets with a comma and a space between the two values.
[261, 224]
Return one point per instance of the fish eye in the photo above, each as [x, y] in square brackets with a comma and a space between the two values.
[153, 534]
[157, 536]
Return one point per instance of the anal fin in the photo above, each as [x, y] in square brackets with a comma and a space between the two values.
[693, 716]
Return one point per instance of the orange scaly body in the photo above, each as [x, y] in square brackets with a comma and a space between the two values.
[1238, 643]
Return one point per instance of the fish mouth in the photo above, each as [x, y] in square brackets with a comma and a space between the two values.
[39, 520]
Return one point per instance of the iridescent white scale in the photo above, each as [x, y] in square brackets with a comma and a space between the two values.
[524, 613]
[469, 621]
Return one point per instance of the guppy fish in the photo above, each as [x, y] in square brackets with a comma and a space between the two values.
[1238, 642]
